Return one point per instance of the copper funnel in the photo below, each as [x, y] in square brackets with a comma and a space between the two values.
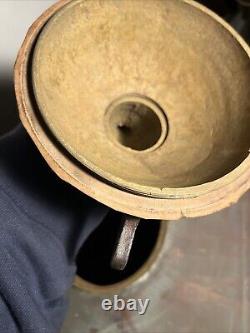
[142, 105]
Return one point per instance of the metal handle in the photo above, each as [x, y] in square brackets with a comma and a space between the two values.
[124, 242]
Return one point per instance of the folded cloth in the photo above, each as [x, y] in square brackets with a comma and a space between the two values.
[43, 224]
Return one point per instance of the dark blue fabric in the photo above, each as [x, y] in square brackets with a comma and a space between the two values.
[43, 224]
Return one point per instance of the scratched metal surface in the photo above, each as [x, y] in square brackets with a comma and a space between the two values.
[200, 284]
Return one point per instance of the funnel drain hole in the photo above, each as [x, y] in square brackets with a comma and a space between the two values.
[137, 123]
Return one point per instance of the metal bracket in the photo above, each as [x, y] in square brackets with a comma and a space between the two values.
[125, 241]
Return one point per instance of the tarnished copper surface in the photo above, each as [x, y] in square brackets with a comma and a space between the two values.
[200, 284]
